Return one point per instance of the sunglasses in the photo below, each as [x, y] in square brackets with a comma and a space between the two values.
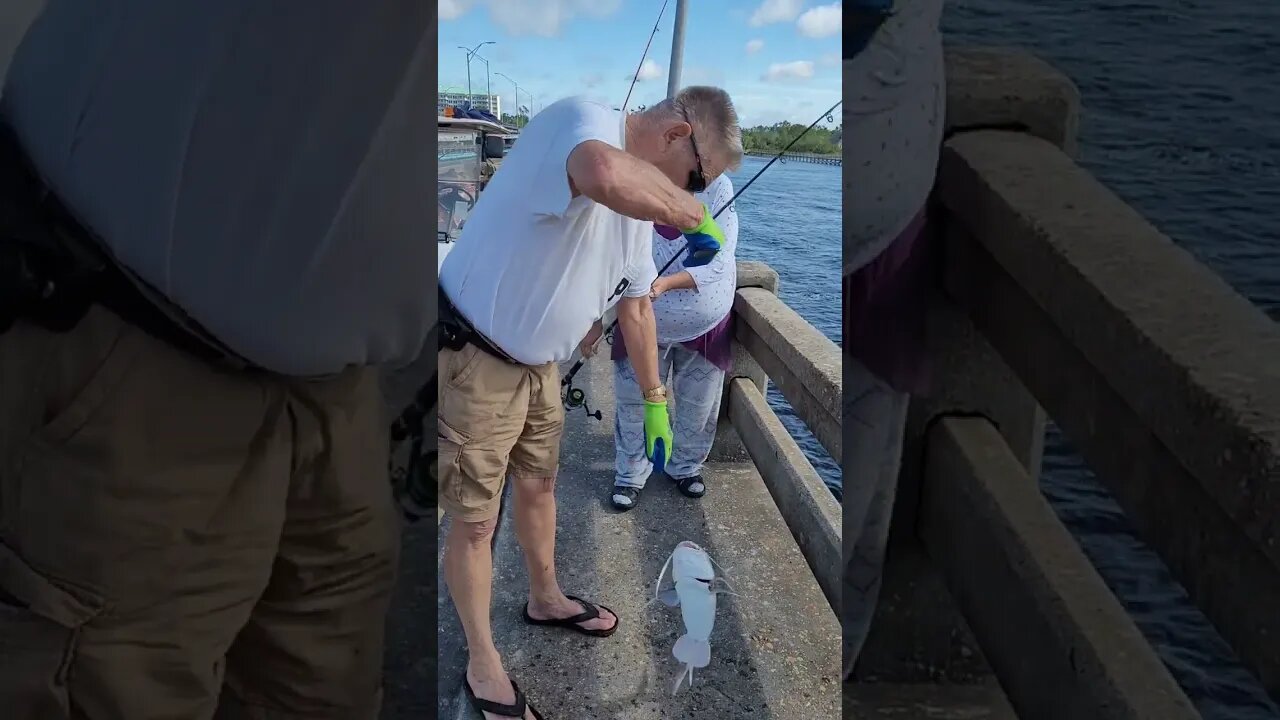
[697, 178]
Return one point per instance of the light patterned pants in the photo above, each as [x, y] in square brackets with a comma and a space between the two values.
[875, 417]
[696, 385]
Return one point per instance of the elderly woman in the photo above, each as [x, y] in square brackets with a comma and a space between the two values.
[894, 104]
[691, 306]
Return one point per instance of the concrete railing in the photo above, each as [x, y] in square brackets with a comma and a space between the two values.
[1058, 295]
[773, 343]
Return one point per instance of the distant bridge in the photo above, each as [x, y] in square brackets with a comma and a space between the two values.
[803, 157]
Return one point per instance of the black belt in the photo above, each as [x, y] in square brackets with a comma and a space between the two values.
[54, 269]
[456, 333]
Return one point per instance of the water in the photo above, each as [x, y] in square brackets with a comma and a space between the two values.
[790, 219]
[1179, 102]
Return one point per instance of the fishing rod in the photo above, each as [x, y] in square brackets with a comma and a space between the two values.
[644, 55]
[576, 397]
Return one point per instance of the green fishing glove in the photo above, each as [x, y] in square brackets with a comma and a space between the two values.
[657, 434]
[705, 240]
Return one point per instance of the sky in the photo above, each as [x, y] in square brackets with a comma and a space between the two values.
[778, 59]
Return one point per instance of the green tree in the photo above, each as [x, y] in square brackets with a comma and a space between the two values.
[772, 138]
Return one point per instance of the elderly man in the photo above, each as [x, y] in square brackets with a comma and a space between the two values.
[691, 307]
[561, 234]
[217, 211]
[894, 102]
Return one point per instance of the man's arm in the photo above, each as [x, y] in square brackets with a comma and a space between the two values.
[640, 334]
[630, 186]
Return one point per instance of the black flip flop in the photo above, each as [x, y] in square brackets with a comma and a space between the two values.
[590, 612]
[514, 710]
[686, 483]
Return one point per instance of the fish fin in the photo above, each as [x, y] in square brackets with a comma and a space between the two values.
[695, 653]
[720, 585]
[669, 597]
[687, 671]
[661, 573]
[723, 573]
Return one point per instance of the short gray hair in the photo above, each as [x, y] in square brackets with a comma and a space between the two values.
[711, 112]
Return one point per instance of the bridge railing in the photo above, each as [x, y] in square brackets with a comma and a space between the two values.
[773, 343]
[1060, 296]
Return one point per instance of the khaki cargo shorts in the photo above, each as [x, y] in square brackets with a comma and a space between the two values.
[494, 418]
[178, 540]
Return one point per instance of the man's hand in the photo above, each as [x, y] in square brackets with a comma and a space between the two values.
[658, 441]
[705, 240]
[588, 345]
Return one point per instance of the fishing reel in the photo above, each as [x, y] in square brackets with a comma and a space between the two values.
[413, 483]
[575, 398]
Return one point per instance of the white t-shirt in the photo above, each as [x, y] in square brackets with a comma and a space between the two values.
[687, 314]
[534, 267]
[267, 169]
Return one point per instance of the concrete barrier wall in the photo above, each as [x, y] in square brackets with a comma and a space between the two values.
[1061, 643]
[1164, 378]
[773, 343]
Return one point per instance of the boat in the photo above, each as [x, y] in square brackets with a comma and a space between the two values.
[469, 150]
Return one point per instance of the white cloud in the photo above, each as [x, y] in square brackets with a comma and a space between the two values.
[820, 22]
[649, 70]
[453, 9]
[796, 70]
[545, 18]
[775, 11]
[754, 46]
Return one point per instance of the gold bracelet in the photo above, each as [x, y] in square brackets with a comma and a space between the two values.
[658, 394]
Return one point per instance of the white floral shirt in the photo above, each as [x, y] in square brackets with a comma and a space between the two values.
[683, 315]
[895, 99]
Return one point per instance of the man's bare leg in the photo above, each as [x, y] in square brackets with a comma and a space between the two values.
[468, 568]
[535, 509]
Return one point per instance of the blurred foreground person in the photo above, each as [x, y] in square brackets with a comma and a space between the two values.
[895, 97]
[213, 218]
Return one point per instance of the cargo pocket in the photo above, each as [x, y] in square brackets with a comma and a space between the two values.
[461, 365]
[451, 444]
[39, 628]
[104, 348]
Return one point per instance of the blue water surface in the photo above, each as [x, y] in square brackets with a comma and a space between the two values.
[790, 219]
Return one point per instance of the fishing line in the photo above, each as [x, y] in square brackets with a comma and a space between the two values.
[576, 397]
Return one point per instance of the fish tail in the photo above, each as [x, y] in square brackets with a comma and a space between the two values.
[691, 651]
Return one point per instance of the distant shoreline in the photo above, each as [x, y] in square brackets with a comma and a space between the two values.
[771, 153]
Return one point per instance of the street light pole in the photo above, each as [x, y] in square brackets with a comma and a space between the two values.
[517, 87]
[470, 52]
[677, 50]
[488, 103]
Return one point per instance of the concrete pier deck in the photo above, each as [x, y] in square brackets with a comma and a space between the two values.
[775, 649]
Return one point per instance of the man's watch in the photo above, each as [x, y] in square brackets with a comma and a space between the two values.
[656, 395]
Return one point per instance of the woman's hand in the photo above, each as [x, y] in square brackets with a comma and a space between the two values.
[682, 280]
[661, 285]
[588, 345]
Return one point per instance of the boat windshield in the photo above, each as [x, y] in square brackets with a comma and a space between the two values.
[458, 179]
